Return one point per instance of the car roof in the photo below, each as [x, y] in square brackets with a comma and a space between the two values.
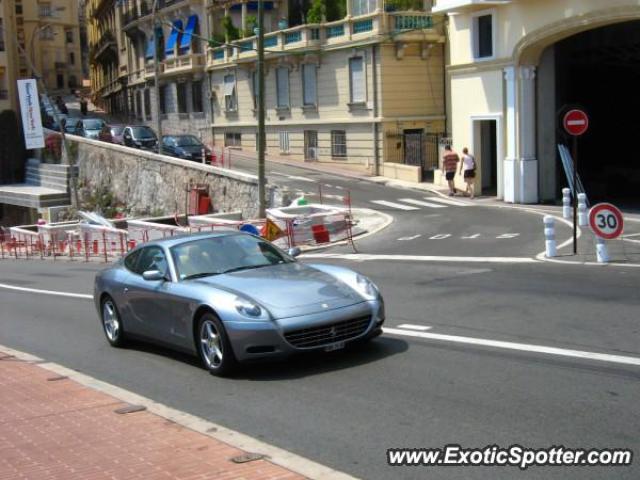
[170, 242]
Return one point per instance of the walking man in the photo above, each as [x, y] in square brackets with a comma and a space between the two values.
[450, 165]
[468, 166]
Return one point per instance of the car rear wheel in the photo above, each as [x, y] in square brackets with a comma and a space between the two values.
[111, 323]
[214, 346]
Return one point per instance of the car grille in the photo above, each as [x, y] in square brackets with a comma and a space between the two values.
[327, 334]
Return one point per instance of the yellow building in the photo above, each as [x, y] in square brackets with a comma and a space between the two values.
[516, 66]
[51, 37]
[8, 52]
[363, 89]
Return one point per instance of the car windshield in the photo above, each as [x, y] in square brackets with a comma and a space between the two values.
[92, 124]
[225, 254]
[117, 130]
[70, 124]
[187, 141]
[143, 133]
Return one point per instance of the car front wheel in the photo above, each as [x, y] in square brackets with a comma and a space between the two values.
[214, 346]
[111, 323]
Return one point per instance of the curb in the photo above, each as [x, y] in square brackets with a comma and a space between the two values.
[275, 455]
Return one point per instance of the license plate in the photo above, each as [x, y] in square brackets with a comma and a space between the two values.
[334, 346]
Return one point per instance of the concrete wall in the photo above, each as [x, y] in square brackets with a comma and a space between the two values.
[147, 183]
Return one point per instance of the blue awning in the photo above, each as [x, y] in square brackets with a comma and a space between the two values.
[176, 31]
[151, 48]
[185, 41]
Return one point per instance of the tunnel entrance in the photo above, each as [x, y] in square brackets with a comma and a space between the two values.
[599, 70]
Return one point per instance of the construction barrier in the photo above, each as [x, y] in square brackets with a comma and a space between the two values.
[142, 231]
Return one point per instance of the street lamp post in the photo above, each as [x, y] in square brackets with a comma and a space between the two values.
[261, 127]
[156, 72]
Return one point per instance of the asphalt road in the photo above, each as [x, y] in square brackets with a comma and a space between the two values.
[424, 223]
[345, 409]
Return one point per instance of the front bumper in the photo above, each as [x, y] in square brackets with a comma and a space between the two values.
[272, 339]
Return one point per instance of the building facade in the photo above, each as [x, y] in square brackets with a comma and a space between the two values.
[365, 86]
[515, 67]
[8, 54]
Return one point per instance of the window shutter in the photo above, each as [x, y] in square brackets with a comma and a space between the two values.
[309, 84]
[282, 79]
[358, 91]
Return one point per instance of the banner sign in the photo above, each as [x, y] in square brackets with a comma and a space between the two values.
[30, 110]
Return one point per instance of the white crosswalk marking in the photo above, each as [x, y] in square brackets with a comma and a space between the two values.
[421, 203]
[446, 201]
[399, 206]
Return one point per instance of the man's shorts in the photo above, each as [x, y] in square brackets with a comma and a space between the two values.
[451, 175]
[470, 173]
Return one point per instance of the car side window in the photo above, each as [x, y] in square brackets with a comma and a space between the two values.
[131, 259]
[151, 258]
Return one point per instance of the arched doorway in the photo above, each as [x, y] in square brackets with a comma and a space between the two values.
[598, 69]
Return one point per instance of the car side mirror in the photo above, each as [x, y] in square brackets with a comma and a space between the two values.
[153, 275]
[295, 251]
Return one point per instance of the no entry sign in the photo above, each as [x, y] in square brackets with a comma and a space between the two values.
[575, 122]
[606, 221]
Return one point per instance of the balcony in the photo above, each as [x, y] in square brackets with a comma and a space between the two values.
[398, 25]
[137, 76]
[106, 45]
[184, 63]
[134, 13]
[150, 70]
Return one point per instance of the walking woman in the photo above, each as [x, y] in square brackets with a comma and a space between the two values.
[468, 171]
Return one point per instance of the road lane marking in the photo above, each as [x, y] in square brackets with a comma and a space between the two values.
[409, 326]
[524, 347]
[446, 201]
[302, 179]
[508, 235]
[399, 206]
[46, 292]
[421, 203]
[406, 239]
[475, 235]
[440, 236]
[363, 257]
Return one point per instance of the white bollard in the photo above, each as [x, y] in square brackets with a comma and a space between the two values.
[550, 237]
[582, 210]
[566, 203]
[602, 255]
[204, 157]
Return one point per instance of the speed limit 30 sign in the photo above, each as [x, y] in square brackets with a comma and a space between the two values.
[606, 221]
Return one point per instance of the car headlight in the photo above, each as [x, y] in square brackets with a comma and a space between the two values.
[250, 309]
[366, 287]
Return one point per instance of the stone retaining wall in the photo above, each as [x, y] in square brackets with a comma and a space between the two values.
[146, 182]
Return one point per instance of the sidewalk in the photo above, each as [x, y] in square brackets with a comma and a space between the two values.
[55, 428]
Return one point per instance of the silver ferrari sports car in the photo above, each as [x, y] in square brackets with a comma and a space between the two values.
[233, 297]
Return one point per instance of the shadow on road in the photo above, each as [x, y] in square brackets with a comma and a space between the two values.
[297, 366]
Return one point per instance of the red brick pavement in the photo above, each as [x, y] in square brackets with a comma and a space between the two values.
[53, 428]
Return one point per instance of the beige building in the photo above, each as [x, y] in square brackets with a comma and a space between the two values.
[516, 66]
[366, 89]
[8, 52]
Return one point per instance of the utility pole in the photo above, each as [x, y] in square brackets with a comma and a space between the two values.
[261, 128]
[156, 72]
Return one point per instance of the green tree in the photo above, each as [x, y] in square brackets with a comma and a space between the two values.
[317, 12]
[335, 10]
[230, 30]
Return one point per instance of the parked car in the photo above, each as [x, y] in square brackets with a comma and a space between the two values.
[112, 134]
[71, 125]
[231, 296]
[90, 127]
[188, 147]
[140, 136]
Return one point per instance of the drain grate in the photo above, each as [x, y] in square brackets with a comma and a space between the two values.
[247, 457]
[130, 409]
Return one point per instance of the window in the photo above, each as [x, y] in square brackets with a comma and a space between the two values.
[72, 58]
[356, 75]
[164, 99]
[181, 90]
[232, 139]
[47, 33]
[1, 36]
[284, 142]
[60, 80]
[310, 94]
[483, 36]
[18, 9]
[338, 143]
[230, 103]
[147, 103]
[196, 97]
[151, 258]
[282, 87]
[68, 36]
[138, 105]
[362, 7]
[45, 10]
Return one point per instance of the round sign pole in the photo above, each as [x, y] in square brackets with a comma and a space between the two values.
[575, 123]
